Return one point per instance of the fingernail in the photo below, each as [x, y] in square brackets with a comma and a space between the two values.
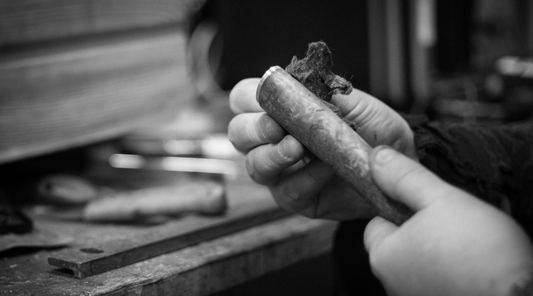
[384, 154]
[285, 148]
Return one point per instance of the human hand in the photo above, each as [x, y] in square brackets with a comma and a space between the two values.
[454, 244]
[298, 181]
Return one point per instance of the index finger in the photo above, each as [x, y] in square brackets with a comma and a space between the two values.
[242, 96]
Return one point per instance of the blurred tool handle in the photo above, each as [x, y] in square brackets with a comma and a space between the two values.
[65, 189]
[198, 197]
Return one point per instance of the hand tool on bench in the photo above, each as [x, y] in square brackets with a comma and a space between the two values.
[124, 245]
[120, 205]
[206, 197]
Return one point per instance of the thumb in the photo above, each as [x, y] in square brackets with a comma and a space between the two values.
[355, 100]
[377, 230]
[404, 179]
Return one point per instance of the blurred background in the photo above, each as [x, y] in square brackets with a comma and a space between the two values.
[466, 60]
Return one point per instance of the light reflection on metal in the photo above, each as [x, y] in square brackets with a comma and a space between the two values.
[172, 163]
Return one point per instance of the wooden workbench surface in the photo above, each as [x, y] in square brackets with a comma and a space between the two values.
[200, 269]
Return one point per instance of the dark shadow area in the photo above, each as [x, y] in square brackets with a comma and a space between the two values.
[312, 278]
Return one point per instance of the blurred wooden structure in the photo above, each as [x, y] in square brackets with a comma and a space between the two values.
[74, 72]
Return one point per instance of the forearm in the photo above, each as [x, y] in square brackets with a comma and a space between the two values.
[494, 163]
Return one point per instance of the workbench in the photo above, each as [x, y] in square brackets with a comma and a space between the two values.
[204, 268]
[87, 71]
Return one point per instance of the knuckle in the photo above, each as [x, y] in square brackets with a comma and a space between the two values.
[268, 129]
[413, 174]
[235, 133]
[235, 95]
[232, 129]
[233, 102]
[276, 158]
[260, 168]
[253, 172]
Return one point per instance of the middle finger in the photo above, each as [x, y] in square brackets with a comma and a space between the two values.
[249, 130]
